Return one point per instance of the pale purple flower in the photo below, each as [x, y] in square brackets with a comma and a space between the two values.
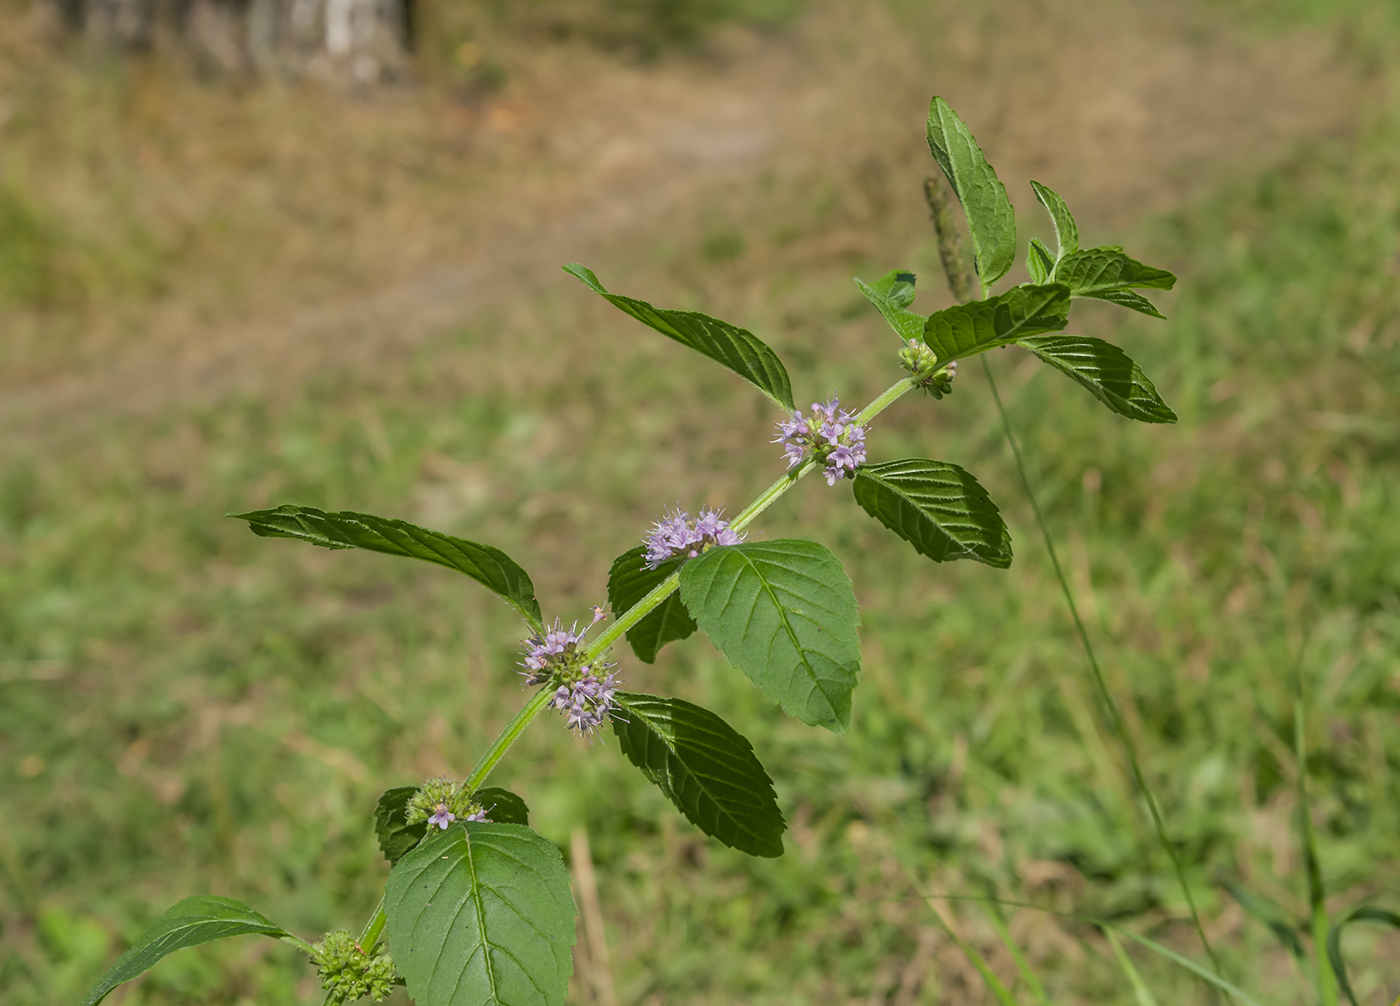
[587, 702]
[548, 653]
[678, 536]
[480, 815]
[838, 442]
[442, 817]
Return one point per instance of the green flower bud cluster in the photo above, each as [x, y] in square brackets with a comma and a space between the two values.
[348, 973]
[440, 802]
[922, 364]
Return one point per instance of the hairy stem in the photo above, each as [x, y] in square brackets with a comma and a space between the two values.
[1115, 719]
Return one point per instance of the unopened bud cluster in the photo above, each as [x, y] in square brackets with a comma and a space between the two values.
[348, 973]
[829, 434]
[584, 692]
[440, 802]
[679, 536]
[922, 363]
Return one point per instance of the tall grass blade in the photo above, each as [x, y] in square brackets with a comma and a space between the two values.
[1115, 719]
[1003, 995]
[1028, 975]
[1140, 990]
[1327, 992]
[1334, 942]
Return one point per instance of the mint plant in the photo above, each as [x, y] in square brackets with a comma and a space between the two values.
[477, 907]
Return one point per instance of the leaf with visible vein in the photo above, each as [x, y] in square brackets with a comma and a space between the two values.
[891, 294]
[396, 836]
[705, 767]
[1109, 373]
[1066, 230]
[1108, 274]
[736, 348]
[629, 581]
[783, 612]
[189, 923]
[968, 329]
[481, 915]
[937, 507]
[991, 221]
[1039, 262]
[488, 566]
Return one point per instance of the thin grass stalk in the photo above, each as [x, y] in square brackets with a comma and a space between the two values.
[1003, 995]
[960, 283]
[1125, 963]
[1328, 992]
[1028, 974]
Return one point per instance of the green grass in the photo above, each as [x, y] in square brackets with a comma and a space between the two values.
[186, 708]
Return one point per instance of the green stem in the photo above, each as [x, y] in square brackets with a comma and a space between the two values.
[1115, 719]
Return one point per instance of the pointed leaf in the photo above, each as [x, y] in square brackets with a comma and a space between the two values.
[968, 329]
[488, 566]
[1108, 372]
[705, 768]
[1334, 942]
[189, 923]
[783, 612]
[891, 294]
[629, 581]
[990, 219]
[1039, 262]
[736, 348]
[481, 914]
[1107, 274]
[396, 836]
[502, 806]
[937, 507]
[1066, 230]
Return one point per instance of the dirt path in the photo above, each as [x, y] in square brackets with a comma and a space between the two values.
[1126, 109]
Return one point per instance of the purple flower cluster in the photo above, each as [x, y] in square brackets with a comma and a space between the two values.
[587, 702]
[830, 434]
[552, 652]
[678, 536]
[442, 817]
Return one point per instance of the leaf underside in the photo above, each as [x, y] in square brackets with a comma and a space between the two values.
[485, 564]
[629, 581]
[937, 507]
[1039, 262]
[1107, 372]
[188, 923]
[783, 612]
[705, 767]
[733, 347]
[891, 294]
[967, 329]
[991, 221]
[481, 915]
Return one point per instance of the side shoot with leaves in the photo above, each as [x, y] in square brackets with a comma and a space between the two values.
[477, 908]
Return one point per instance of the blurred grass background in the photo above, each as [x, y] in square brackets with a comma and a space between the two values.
[185, 708]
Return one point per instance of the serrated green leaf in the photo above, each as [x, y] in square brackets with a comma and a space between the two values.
[736, 348]
[1334, 942]
[937, 507]
[891, 294]
[705, 767]
[629, 581]
[991, 221]
[783, 612]
[1066, 230]
[488, 566]
[1039, 262]
[1108, 274]
[189, 923]
[396, 836]
[502, 806]
[481, 914]
[1109, 373]
[968, 329]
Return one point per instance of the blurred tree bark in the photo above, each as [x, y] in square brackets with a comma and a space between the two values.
[364, 40]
